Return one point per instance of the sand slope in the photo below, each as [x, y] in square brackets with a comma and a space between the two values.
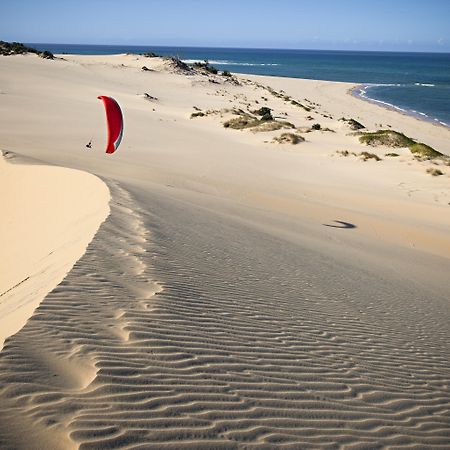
[216, 306]
[49, 215]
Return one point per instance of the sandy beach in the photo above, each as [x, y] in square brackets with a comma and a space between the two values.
[211, 287]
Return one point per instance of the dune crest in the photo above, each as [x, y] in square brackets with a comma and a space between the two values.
[50, 214]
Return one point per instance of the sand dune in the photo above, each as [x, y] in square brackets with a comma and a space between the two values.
[50, 215]
[213, 308]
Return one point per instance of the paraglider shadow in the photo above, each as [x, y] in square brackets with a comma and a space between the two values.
[344, 225]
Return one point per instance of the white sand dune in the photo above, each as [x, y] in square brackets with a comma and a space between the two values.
[50, 214]
[214, 308]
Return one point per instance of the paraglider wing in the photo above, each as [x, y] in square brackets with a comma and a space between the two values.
[114, 120]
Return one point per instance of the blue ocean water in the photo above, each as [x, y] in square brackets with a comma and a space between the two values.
[416, 83]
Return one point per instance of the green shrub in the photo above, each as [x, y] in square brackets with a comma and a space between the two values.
[16, 48]
[263, 111]
[394, 139]
[266, 117]
[386, 137]
[206, 67]
[46, 55]
[424, 151]
[241, 122]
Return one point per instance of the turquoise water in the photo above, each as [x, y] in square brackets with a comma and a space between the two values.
[416, 83]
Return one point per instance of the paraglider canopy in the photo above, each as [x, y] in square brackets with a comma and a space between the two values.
[114, 121]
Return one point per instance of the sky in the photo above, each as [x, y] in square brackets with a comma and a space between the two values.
[380, 25]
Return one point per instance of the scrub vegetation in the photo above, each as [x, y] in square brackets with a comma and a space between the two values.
[394, 139]
[265, 123]
[289, 138]
[16, 48]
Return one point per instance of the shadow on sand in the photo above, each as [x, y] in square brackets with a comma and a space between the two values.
[345, 225]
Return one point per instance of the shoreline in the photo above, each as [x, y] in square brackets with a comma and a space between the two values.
[230, 64]
[391, 107]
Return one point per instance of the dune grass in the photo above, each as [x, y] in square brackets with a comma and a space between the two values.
[265, 123]
[353, 124]
[365, 156]
[289, 138]
[424, 151]
[395, 139]
[389, 138]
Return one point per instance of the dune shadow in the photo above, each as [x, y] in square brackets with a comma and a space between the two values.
[346, 225]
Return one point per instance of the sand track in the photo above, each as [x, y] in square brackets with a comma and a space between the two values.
[163, 336]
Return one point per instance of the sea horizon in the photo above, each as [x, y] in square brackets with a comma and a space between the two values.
[414, 83]
[240, 48]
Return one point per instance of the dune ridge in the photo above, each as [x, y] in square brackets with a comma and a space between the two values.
[156, 354]
[50, 214]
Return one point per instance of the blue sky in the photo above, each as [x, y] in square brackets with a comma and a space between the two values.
[390, 25]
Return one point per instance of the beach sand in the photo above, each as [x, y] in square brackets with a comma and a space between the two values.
[223, 302]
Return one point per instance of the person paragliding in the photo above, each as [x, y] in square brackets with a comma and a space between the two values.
[114, 122]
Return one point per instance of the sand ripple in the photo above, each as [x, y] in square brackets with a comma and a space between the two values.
[238, 345]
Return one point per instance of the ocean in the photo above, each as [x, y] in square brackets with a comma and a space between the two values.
[414, 83]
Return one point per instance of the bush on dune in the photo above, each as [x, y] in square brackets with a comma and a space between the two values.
[289, 138]
[16, 48]
[391, 138]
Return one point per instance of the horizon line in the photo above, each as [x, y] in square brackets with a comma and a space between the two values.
[243, 48]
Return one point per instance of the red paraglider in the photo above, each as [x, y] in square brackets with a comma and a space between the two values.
[114, 119]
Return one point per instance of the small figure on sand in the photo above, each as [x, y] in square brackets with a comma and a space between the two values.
[89, 144]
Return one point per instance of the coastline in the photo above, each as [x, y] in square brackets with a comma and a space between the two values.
[359, 91]
[309, 64]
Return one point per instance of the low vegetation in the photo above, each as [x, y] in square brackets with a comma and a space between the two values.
[424, 151]
[365, 156]
[316, 126]
[389, 138]
[178, 65]
[353, 124]
[265, 113]
[241, 122]
[434, 172]
[225, 73]
[150, 55]
[392, 154]
[197, 114]
[394, 139]
[16, 48]
[344, 153]
[300, 105]
[149, 97]
[289, 138]
[265, 123]
[205, 67]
